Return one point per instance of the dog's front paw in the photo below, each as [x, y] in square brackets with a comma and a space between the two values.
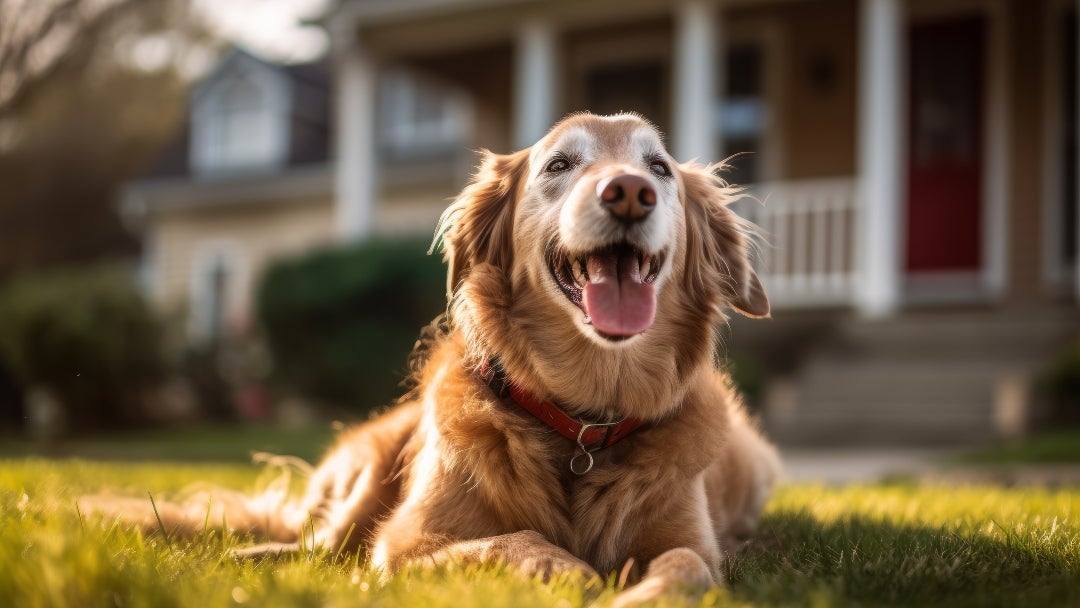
[530, 553]
[675, 571]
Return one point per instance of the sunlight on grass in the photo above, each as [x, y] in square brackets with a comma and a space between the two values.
[923, 545]
[899, 544]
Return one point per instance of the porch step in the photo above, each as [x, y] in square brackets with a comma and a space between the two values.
[982, 336]
[927, 379]
[877, 401]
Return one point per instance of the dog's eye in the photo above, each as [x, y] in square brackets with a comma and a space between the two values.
[660, 168]
[557, 165]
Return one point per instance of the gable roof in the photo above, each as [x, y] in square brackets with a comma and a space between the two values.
[309, 119]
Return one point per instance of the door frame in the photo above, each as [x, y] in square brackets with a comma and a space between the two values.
[988, 282]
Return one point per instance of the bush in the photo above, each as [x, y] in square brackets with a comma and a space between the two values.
[11, 414]
[1062, 384]
[341, 321]
[85, 335]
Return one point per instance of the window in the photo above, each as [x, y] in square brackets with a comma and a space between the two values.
[243, 138]
[421, 117]
[216, 296]
[216, 282]
[240, 119]
[743, 113]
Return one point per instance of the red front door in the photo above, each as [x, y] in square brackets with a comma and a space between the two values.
[944, 219]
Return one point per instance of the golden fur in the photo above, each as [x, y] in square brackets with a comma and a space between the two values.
[455, 473]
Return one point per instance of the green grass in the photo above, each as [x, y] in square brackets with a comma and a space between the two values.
[192, 444]
[875, 545]
[1058, 447]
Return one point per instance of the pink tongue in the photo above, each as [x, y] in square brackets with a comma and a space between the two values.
[616, 299]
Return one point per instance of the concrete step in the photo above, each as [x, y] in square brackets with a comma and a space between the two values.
[874, 400]
[975, 337]
[921, 378]
[907, 432]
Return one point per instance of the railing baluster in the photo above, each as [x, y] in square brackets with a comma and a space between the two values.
[808, 225]
[820, 243]
[800, 215]
[783, 245]
[839, 247]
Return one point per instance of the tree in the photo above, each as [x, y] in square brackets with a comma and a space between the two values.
[39, 38]
[90, 90]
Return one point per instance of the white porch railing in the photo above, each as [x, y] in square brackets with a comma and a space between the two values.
[807, 258]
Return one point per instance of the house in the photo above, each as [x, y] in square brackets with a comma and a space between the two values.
[250, 178]
[916, 160]
[247, 179]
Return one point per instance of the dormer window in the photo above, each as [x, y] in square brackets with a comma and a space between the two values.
[421, 117]
[240, 119]
[247, 121]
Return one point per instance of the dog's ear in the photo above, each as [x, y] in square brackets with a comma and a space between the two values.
[718, 243]
[477, 228]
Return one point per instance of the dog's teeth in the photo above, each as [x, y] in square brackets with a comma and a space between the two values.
[646, 265]
[581, 275]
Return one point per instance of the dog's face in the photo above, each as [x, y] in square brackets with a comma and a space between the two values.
[599, 221]
[600, 208]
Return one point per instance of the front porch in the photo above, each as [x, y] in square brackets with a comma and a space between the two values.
[899, 162]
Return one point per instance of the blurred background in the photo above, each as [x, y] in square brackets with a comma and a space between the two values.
[216, 213]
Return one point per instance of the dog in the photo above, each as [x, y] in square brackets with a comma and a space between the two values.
[568, 415]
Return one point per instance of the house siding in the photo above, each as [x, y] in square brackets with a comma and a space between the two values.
[819, 138]
[274, 230]
[412, 212]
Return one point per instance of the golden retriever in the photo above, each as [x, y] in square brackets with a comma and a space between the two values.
[568, 415]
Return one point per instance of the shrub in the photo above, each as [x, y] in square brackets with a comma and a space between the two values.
[340, 322]
[11, 414]
[87, 336]
[1062, 384]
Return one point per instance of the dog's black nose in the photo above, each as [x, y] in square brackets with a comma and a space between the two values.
[628, 198]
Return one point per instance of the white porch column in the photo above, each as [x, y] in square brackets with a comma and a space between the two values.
[355, 164]
[880, 225]
[697, 120]
[534, 82]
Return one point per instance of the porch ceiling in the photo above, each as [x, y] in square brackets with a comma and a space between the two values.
[404, 27]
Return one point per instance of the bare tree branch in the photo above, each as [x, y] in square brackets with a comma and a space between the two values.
[33, 45]
[26, 37]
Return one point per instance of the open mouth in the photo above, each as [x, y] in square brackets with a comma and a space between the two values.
[612, 285]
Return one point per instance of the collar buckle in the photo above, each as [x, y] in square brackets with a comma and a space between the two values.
[600, 442]
[589, 437]
[582, 462]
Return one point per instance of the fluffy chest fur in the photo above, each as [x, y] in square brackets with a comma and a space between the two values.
[505, 471]
[596, 269]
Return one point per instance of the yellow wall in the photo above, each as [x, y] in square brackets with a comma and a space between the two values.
[412, 211]
[261, 232]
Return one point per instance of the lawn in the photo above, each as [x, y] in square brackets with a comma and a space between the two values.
[199, 443]
[1054, 447]
[889, 544]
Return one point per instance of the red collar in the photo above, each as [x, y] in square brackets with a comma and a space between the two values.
[589, 436]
